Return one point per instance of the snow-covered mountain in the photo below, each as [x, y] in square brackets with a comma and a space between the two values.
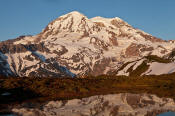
[124, 104]
[75, 45]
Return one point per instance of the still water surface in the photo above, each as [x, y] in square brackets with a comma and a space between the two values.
[168, 114]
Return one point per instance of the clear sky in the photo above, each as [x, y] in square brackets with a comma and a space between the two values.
[29, 17]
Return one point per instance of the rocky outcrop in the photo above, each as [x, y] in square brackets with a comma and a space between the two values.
[137, 50]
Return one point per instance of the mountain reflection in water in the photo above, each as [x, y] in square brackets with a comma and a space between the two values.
[126, 104]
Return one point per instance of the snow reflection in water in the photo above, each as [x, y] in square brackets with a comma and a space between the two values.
[108, 105]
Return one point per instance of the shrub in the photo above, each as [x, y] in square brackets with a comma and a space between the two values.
[154, 58]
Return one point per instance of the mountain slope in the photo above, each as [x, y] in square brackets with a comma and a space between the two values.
[75, 45]
[149, 65]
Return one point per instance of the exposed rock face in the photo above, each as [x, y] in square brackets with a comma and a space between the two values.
[80, 46]
[133, 50]
[137, 50]
[20, 48]
[124, 104]
[150, 38]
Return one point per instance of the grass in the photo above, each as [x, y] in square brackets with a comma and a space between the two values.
[153, 58]
[140, 69]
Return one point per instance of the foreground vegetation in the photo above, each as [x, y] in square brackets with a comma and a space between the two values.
[46, 89]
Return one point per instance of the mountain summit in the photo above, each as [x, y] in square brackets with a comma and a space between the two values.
[73, 45]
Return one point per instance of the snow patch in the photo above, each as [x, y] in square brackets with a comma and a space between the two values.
[138, 63]
[156, 68]
[124, 71]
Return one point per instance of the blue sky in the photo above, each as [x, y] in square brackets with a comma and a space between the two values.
[29, 17]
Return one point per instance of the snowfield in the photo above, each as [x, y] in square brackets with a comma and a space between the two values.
[160, 68]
